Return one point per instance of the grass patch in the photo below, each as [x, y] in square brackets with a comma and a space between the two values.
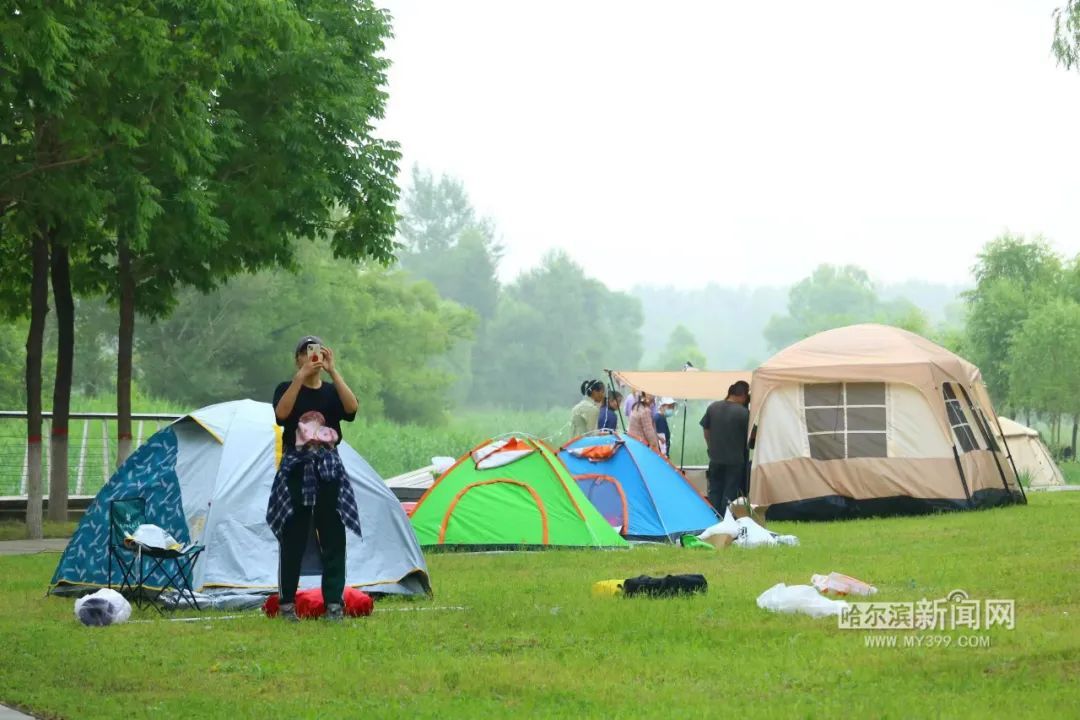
[534, 642]
[16, 529]
[1071, 471]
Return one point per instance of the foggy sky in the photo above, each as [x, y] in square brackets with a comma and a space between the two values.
[743, 142]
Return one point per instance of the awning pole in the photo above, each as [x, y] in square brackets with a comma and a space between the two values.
[682, 450]
[611, 391]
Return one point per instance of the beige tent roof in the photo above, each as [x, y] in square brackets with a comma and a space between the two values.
[1011, 428]
[867, 353]
[682, 384]
[868, 350]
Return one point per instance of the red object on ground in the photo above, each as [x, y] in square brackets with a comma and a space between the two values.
[309, 603]
[408, 507]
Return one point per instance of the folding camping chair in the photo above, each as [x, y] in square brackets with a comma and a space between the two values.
[125, 516]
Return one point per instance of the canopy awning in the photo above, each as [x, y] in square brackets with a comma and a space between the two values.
[682, 384]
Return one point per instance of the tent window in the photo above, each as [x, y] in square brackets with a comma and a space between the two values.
[965, 437]
[845, 420]
[982, 421]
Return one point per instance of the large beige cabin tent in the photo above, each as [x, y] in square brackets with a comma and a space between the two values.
[874, 420]
[1031, 455]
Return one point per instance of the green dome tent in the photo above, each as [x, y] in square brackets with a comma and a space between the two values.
[510, 493]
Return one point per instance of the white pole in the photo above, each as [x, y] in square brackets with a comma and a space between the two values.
[82, 458]
[46, 442]
[25, 468]
[104, 452]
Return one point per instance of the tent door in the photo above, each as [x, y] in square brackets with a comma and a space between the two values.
[606, 494]
[502, 507]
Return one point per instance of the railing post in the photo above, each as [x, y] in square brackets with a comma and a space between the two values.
[104, 451]
[46, 448]
[81, 472]
[25, 468]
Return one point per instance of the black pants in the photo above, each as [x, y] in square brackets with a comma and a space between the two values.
[725, 484]
[329, 535]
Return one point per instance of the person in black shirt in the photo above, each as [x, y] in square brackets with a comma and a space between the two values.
[311, 487]
[725, 425]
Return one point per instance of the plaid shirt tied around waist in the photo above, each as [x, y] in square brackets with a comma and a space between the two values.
[320, 464]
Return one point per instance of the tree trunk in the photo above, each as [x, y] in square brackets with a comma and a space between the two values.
[124, 350]
[35, 341]
[65, 320]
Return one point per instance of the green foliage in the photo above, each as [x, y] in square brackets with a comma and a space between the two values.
[554, 328]
[530, 640]
[238, 340]
[1066, 44]
[447, 245]
[1012, 275]
[681, 348]
[1044, 370]
[834, 297]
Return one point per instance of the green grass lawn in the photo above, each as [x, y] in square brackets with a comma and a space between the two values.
[532, 640]
[16, 529]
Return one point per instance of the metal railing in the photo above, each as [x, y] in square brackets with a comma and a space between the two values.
[91, 448]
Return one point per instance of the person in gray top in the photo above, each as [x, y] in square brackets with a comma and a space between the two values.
[726, 424]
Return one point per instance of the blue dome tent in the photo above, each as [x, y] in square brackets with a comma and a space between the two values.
[634, 488]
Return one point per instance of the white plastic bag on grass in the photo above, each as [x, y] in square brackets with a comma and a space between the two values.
[753, 535]
[799, 598]
[727, 526]
[105, 607]
[837, 584]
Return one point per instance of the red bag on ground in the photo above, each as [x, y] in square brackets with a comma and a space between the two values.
[309, 603]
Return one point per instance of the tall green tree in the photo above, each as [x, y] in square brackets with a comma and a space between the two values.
[445, 243]
[833, 297]
[681, 348]
[1012, 275]
[554, 328]
[48, 54]
[262, 133]
[1043, 370]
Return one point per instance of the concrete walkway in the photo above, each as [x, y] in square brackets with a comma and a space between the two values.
[7, 713]
[29, 547]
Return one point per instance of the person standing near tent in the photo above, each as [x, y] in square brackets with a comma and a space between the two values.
[609, 413]
[665, 408]
[726, 423]
[642, 426]
[311, 488]
[584, 415]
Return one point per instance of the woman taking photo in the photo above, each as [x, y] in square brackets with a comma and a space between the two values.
[311, 488]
